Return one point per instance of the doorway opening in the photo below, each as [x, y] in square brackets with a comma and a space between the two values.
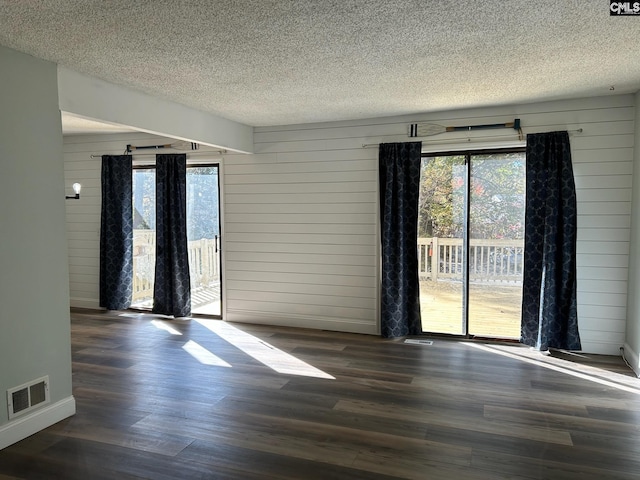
[203, 237]
[471, 241]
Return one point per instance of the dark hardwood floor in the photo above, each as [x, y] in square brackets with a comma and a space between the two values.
[208, 399]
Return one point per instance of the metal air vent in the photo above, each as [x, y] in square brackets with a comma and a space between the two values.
[26, 397]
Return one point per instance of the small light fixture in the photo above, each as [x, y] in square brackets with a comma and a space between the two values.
[76, 189]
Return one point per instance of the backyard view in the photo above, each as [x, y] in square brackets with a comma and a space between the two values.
[471, 286]
[203, 236]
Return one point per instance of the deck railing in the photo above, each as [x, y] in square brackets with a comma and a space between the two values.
[204, 267]
[438, 258]
[489, 260]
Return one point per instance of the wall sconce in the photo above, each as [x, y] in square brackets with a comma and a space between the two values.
[76, 189]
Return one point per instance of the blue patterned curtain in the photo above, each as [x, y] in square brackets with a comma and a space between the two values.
[172, 289]
[116, 233]
[399, 191]
[549, 314]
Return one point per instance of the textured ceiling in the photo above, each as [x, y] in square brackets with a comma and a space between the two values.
[267, 62]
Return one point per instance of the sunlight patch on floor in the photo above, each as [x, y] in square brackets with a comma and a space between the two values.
[203, 355]
[260, 350]
[160, 325]
[585, 372]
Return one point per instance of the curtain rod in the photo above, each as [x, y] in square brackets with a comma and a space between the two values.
[212, 152]
[479, 139]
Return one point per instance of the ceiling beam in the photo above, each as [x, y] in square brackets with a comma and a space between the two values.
[97, 99]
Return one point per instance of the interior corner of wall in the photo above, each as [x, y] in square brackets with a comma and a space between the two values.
[631, 357]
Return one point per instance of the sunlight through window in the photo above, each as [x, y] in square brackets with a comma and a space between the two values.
[585, 372]
[203, 355]
[270, 356]
[160, 325]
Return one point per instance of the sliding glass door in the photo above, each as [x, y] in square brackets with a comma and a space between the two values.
[470, 243]
[203, 237]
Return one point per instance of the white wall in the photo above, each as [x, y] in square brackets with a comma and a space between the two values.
[34, 287]
[632, 344]
[301, 233]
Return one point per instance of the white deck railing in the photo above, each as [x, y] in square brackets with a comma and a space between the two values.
[489, 260]
[204, 267]
[438, 258]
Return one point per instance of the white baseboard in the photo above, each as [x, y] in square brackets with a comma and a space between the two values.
[300, 321]
[90, 303]
[632, 359]
[23, 427]
[601, 347]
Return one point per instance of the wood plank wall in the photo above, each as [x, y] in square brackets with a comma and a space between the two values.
[300, 215]
[301, 234]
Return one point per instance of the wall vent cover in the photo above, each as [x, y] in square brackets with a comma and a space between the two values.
[418, 341]
[26, 397]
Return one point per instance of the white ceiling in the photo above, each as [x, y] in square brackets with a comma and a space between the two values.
[270, 62]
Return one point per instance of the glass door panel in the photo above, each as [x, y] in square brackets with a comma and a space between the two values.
[496, 242]
[441, 227]
[203, 236]
[144, 236]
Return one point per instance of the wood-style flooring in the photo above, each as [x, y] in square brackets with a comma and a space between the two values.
[204, 399]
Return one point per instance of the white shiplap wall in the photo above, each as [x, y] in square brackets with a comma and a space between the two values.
[83, 216]
[301, 214]
[300, 222]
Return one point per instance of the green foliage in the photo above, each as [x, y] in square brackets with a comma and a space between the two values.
[439, 204]
[497, 191]
[497, 196]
